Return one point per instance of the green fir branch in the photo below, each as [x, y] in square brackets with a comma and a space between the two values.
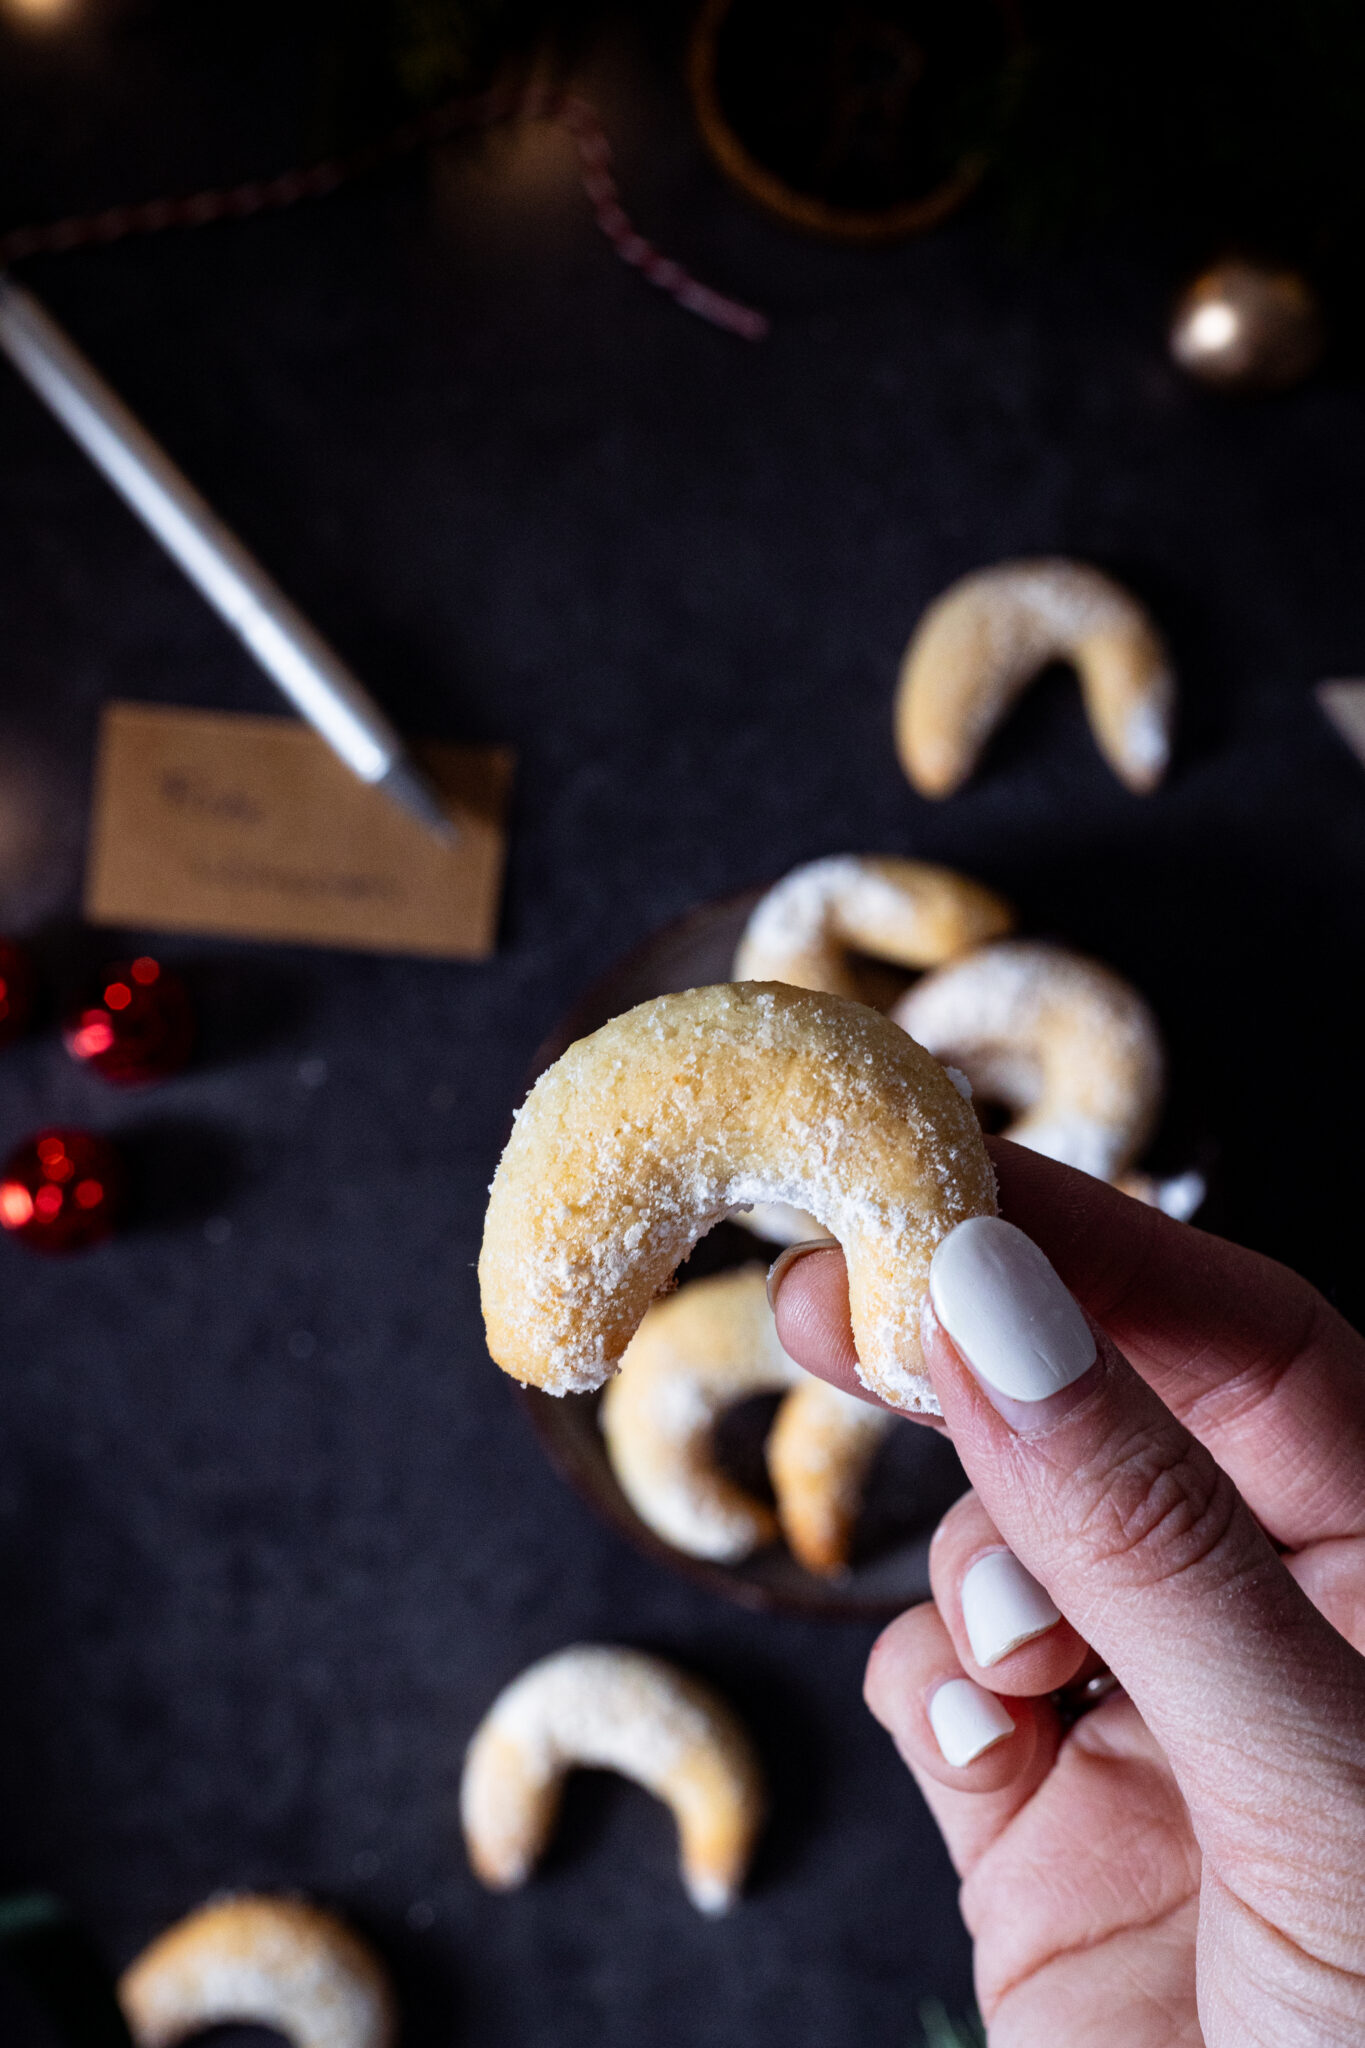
[941, 2032]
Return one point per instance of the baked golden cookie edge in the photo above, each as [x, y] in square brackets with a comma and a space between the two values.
[644, 1135]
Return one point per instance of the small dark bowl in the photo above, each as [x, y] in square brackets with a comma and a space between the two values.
[917, 1475]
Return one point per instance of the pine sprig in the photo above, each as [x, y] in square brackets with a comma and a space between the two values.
[941, 2032]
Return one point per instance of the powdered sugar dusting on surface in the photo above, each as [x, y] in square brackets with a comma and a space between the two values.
[801, 930]
[1031, 610]
[604, 1708]
[645, 1135]
[1065, 1042]
[903, 911]
[778, 1223]
[695, 1355]
[277, 1962]
[1146, 741]
[708, 1346]
[794, 917]
[991, 632]
[620, 1710]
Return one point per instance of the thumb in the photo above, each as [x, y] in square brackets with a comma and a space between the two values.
[1146, 1547]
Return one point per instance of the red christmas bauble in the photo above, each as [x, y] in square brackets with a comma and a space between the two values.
[136, 1026]
[16, 990]
[61, 1191]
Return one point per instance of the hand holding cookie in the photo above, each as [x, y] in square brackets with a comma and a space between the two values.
[1186, 1863]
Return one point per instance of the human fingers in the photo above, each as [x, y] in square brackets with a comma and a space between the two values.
[1249, 1356]
[808, 1293]
[1144, 1544]
[1332, 1574]
[1006, 1631]
[1100, 1862]
[946, 1726]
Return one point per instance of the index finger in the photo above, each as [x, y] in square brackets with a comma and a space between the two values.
[1250, 1358]
[1247, 1354]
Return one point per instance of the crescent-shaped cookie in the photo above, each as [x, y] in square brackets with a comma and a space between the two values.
[615, 1710]
[1066, 1043]
[696, 1353]
[811, 926]
[820, 1451]
[275, 1962]
[980, 643]
[643, 1136]
[808, 928]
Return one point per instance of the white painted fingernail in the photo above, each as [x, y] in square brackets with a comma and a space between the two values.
[1009, 1315]
[967, 1720]
[1003, 1606]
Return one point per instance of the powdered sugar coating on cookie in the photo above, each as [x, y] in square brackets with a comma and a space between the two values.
[1069, 1045]
[645, 1135]
[989, 634]
[697, 1353]
[904, 911]
[606, 1708]
[278, 1962]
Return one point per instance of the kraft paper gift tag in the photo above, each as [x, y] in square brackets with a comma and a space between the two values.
[207, 821]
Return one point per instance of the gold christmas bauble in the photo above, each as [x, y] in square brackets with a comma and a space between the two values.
[1246, 326]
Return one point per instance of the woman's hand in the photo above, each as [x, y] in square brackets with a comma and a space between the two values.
[1186, 1864]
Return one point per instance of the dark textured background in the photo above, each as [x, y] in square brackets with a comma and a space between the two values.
[272, 1530]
